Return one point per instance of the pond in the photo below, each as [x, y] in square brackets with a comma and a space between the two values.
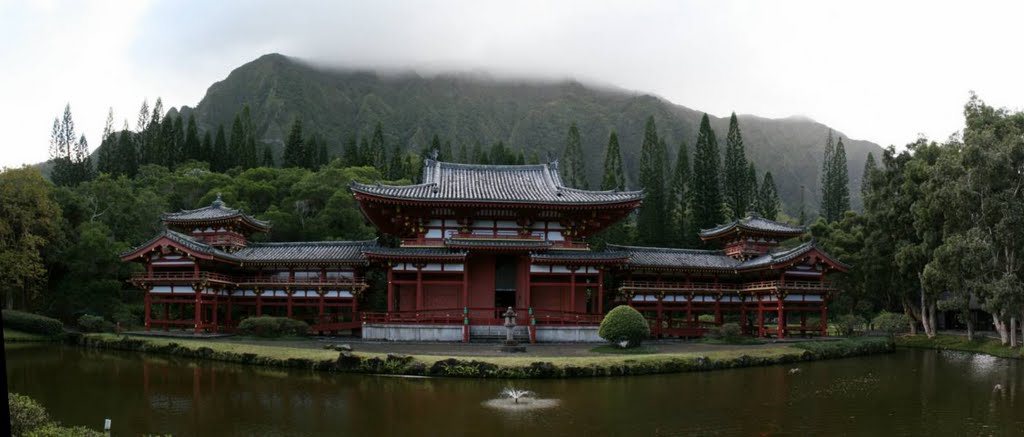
[911, 392]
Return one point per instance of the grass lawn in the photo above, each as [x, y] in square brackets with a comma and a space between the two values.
[270, 350]
[980, 344]
[12, 336]
[609, 349]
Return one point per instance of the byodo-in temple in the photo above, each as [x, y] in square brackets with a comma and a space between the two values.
[471, 241]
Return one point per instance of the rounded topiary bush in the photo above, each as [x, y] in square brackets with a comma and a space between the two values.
[267, 326]
[624, 326]
[90, 323]
[32, 323]
[728, 332]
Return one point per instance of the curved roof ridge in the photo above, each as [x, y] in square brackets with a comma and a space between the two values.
[670, 249]
[307, 243]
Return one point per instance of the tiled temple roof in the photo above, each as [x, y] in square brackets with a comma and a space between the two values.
[661, 257]
[412, 252]
[312, 251]
[482, 243]
[753, 223]
[537, 184]
[684, 259]
[580, 255]
[188, 242]
[217, 211]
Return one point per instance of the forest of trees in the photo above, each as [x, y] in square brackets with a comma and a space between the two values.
[941, 228]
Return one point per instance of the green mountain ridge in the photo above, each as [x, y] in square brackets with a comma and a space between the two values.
[533, 115]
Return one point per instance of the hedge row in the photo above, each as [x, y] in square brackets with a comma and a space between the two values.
[267, 326]
[32, 323]
[395, 364]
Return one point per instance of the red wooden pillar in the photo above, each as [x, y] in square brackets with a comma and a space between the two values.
[824, 317]
[689, 310]
[782, 318]
[572, 289]
[657, 320]
[227, 295]
[198, 318]
[216, 300]
[529, 287]
[391, 289]
[465, 286]
[419, 287]
[760, 317]
[149, 299]
[600, 291]
[288, 303]
[718, 311]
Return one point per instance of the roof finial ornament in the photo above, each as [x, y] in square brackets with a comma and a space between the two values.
[218, 203]
[434, 153]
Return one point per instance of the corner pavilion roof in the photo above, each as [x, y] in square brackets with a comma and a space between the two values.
[216, 212]
[692, 259]
[267, 253]
[532, 184]
[755, 224]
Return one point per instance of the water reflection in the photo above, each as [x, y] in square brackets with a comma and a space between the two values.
[910, 392]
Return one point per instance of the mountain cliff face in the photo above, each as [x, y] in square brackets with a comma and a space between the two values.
[530, 115]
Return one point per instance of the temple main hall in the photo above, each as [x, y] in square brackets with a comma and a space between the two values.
[469, 242]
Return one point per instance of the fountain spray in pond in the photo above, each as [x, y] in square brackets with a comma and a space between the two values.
[513, 399]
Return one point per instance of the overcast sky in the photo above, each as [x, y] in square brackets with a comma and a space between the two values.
[882, 71]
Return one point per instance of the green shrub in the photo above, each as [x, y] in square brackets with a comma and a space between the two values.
[89, 323]
[891, 323]
[26, 414]
[32, 323]
[707, 318]
[728, 331]
[267, 326]
[848, 324]
[55, 430]
[624, 324]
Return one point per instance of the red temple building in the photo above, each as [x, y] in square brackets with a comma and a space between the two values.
[471, 241]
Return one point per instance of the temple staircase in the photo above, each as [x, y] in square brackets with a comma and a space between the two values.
[496, 334]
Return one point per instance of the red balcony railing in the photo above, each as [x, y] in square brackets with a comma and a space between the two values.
[185, 276]
[481, 316]
[727, 287]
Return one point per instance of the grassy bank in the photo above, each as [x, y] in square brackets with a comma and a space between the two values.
[13, 336]
[980, 345]
[488, 367]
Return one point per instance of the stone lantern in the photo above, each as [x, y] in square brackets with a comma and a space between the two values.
[511, 345]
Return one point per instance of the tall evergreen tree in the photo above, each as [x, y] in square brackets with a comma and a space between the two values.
[143, 121]
[446, 152]
[840, 183]
[250, 157]
[396, 167]
[191, 146]
[350, 155]
[108, 143]
[268, 157]
[681, 196]
[220, 159]
[435, 145]
[707, 194]
[753, 189]
[651, 221]
[377, 155]
[870, 166]
[69, 153]
[166, 143]
[572, 167]
[827, 178]
[323, 156]
[294, 149]
[176, 152]
[614, 175]
[236, 143]
[768, 198]
[126, 155]
[736, 183]
[463, 154]
[206, 149]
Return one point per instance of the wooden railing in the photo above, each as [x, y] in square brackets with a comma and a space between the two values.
[728, 287]
[481, 316]
[249, 280]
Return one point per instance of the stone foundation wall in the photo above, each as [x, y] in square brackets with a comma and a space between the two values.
[568, 334]
[412, 332]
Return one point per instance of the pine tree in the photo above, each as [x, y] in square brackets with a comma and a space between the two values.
[736, 182]
[206, 149]
[126, 156]
[323, 156]
[143, 121]
[108, 143]
[840, 183]
[803, 207]
[190, 149]
[446, 152]
[311, 151]
[236, 144]
[572, 167]
[220, 159]
[165, 143]
[268, 157]
[176, 150]
[350, 155]
[651, 221]
[294, 150]
[614, 176]
[377, 155]
[435, 145]
[396, 167]
[827, 178]
[753, 188]
[479, 155]
[463, 154]
[69, 154]
[249, 157]
[768, 198]
[865, 181]
[681, 196]
[707, 195]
